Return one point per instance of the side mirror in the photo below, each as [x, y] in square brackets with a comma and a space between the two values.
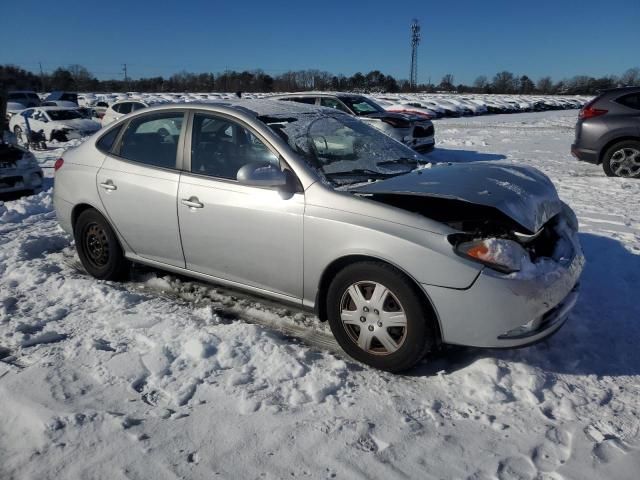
[261, 174]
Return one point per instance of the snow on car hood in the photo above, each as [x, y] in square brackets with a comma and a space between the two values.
[83, 124]
[523, 193]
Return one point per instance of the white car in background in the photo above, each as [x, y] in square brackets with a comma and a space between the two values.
[26, 98]
[121, 108]
[56, 123]
[60, 103]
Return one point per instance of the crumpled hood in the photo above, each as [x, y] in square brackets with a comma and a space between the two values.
[83, 124]
[523, 193]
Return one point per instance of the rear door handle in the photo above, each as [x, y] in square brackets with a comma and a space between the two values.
[108, 185]
[192, 202]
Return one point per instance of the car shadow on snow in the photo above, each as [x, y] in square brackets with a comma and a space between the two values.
[449, 155]
[599, 338]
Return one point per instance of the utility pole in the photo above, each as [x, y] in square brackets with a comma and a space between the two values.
[126, 78]
[42, 86]
[415, 40]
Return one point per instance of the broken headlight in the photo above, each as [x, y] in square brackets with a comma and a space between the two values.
[501, 254]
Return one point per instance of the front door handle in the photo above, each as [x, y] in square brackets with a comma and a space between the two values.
[192, 202]
[108, 185]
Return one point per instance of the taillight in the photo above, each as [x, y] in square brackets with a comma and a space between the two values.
[589, 112]
[58, 165]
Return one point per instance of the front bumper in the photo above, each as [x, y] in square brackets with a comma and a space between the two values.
[585, 154]
[20, 179]
[502, 311]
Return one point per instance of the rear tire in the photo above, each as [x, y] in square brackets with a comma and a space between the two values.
[622, 160]
[379, 317]
[98, 247]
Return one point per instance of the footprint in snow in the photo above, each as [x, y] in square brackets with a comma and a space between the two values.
[554, 451]
[46, 337]
[516, 468]
[193, 458]
[103, 345]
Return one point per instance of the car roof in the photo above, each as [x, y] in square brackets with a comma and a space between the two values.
[620, 90]
[254, 107]
[138, 100]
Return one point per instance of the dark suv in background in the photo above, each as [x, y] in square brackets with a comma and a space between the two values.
[608, 132]
[414, 131]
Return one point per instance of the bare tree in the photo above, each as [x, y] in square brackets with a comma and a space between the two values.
[631, 77]
[545, 85]
[447, 82]
[504, 82]
[481, 83]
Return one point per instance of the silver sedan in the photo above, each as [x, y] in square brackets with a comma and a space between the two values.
[312, 207]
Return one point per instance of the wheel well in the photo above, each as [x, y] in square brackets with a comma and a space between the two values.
[77, 210]
[332, 270]
[604, 149]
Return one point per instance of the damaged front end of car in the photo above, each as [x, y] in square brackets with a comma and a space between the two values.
[524, 239]
[507, 218]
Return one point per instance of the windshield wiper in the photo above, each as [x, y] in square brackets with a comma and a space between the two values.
[402, 161]
[361, 172]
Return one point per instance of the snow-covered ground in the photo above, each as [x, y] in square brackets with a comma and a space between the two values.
[164, 378]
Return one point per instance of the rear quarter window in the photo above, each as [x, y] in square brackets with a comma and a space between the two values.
[105, 143]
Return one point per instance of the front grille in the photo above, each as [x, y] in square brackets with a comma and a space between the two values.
[421, 132]
[8, 165]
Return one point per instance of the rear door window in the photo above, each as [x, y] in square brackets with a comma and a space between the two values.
[123, 108]
[153, 139]
[631, 101]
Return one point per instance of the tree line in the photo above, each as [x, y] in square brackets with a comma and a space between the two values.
[78, 78]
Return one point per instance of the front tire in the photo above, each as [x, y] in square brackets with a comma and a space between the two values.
[98, 247]
[378, 316]
[622, 160]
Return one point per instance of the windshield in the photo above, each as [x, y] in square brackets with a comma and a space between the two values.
[361, 105]
[343, 149]
[63, 114]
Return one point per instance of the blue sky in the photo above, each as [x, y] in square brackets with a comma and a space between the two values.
[463, 37]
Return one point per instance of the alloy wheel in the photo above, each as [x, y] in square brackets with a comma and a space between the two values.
[625, 162]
